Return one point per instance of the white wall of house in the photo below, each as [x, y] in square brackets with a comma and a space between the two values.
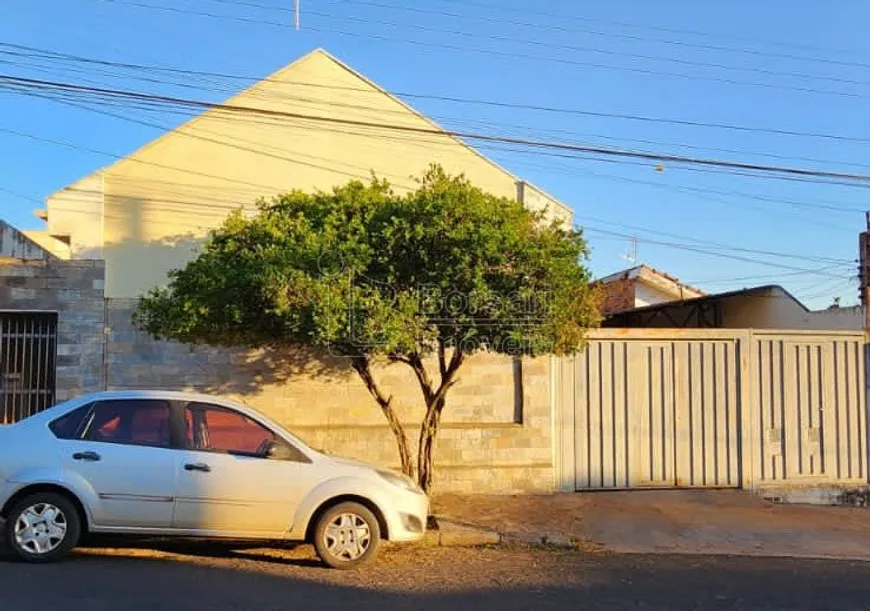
[776, 309]
[847, 319]
[646, 295]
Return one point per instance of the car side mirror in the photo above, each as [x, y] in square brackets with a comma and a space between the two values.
[278, 450]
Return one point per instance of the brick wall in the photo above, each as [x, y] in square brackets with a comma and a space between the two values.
[617, 296]
[496, 432]
[73, 289]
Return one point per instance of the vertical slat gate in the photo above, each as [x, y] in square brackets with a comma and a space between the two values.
[716, 409]
[28, 343]
[811, 408]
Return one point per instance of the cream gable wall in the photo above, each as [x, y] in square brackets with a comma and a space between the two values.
[158, 204]
[77, 211]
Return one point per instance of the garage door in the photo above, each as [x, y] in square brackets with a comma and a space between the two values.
[639, 413]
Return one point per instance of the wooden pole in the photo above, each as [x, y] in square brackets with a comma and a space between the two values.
[864, 270]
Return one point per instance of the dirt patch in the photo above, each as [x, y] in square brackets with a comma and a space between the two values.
[697, 522]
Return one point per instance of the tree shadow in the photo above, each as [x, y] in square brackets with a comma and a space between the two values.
[136, 360]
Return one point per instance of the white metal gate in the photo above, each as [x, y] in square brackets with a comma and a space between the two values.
[710, 408]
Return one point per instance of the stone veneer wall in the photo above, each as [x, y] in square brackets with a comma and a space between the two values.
[73, 289]
[496, 435]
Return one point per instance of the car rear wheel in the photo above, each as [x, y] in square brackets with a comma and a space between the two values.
[347, 536]
[42, 527]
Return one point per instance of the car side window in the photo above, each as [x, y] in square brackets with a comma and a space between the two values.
[69, 425]
[212, 428]
[142, 422]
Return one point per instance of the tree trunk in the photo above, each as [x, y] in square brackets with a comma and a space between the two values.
[435, 402]
[362, 365]
[426, 446]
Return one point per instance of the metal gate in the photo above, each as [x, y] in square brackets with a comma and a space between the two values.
[651, 412]
[711, 408]
[28, 348]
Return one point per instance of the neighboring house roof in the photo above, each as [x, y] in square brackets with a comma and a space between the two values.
[620, 288]
[761, 307]
[706, 300]
[649, 274]
[52, 244]
[17, 244]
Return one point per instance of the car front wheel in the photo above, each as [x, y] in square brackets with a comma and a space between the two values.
[347, 536]
[42, 527]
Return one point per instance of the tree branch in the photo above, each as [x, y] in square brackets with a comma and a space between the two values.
[362, 365]
[448, 380]
[442, 359]
[398, 358]
[423, 378]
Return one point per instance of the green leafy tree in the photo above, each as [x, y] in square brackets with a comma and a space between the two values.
[432, 276]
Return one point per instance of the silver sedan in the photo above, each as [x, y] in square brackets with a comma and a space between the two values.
[189, 465]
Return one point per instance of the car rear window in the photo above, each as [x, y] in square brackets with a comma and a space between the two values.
[69, 425]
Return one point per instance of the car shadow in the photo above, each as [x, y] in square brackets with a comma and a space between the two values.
[269, 553]
[133, 547]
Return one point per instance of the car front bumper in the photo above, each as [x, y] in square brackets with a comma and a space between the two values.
[406, 521]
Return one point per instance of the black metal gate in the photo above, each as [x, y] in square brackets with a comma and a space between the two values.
[28, 350]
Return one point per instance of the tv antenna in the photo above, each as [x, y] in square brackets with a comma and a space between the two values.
[631, 257]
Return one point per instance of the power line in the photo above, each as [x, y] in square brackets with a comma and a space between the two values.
[672, 30]
[829, 289]
[577, 18]
[363, 174]
[729, 193]
[358, 175]
[720, 280]
[727, 247]
[16, 83]
[20, 195]
[703, 251]
[600, 51]
[120, 157]
[550, 167]
[493, 52]
[606, 159]
[455, 99]
[540, 43]
[687, 247]
[363, 171]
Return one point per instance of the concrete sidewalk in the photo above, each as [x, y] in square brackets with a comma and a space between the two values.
[673, 521]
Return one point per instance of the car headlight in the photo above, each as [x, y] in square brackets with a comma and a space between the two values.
[400, 480]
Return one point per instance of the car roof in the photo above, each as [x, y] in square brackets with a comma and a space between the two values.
[172, 395]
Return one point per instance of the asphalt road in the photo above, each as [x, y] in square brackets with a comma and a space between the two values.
[212, 577]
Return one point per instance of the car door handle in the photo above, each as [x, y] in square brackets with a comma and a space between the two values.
[89, 456]
[198, 466]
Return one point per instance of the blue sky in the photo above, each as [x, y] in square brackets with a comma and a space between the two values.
[792, 65]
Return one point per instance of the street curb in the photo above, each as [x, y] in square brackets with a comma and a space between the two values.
[557, 541]
[451, 534]
[455, 534]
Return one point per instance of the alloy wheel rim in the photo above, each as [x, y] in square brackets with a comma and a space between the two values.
[348, 536]
[40, 528]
